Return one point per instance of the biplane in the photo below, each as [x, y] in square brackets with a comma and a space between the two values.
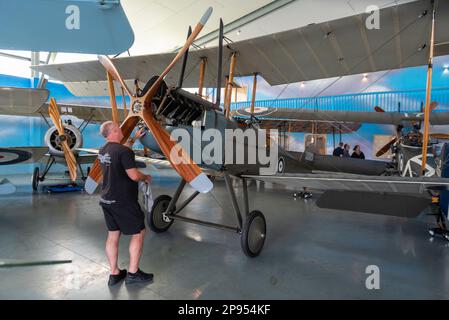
[333, 48]
[63, 140]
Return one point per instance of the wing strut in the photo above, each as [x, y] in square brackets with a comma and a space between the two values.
[428, 93]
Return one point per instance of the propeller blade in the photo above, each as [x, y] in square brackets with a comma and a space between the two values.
[386, 147]
[112, 70]
[55, 116]
[442, 136]
[152, 91]
[68, 153]
[70, 160]
[112, 98]
[95, 174]
[178, 157]
[379, 109]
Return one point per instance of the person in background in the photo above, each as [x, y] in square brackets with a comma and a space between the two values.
[358, 154]
[338, 151]
[346, 151]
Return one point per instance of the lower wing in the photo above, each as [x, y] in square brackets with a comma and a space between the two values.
[15, 155]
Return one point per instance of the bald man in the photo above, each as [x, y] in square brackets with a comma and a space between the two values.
[119, 200]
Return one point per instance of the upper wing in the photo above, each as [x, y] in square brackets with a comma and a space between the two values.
[334, 48]
[22, 101]
[31, 102]
[96, 114]
[348, 182]
[436, 118]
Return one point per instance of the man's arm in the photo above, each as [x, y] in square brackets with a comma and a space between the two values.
[137, 176]
[129, 143]
[129, 164]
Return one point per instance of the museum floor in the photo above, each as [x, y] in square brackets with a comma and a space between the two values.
[309, 252]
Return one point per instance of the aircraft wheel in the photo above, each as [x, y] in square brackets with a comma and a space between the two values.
[35, 179]
[446, 236]
[281, 165]
[253, 234]
[155, 218]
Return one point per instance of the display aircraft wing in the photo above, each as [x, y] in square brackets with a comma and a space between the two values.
[22, 101]
[6, 187]
[32, 102]
[317, 51]
[93, 114]
[16, 155]
[351, 182]
[147, 162]
[384, 195]
[436, 118]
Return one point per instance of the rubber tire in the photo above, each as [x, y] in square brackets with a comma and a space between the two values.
[159, 204]
[244, 240]
[281, 160]
[35, 179]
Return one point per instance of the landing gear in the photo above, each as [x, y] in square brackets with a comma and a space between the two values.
[35, 179]
[441, 228]
[252, 229]
[281, 165]
[439, 232]
[157, 219]
[253, 233]
[303, 195]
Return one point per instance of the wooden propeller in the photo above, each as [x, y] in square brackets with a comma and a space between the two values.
[386, 147]
[140, 108]
[68, 154]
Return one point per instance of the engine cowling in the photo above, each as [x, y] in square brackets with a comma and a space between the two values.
[53, 140]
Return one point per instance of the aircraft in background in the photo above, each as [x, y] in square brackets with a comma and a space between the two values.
[62, 139]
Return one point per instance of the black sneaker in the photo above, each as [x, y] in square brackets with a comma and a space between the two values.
[116, 278]
[307, 195]
[138, 277]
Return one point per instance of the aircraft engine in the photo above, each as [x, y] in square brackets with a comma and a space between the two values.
[53, 140]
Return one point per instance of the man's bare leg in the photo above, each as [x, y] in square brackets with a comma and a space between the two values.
[112, 251]
[135, 251]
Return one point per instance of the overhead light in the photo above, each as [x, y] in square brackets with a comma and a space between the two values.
[303, 84]
[239, 31]
[446, 69]
[365, 77]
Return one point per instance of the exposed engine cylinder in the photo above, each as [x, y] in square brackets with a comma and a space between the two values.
[53, 140]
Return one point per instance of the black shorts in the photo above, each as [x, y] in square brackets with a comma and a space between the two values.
[127, 218]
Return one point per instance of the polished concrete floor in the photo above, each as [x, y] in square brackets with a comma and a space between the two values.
[309, 253]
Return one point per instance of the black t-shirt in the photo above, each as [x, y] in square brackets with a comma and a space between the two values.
[338, 152]
[355, 155]
[117, 187]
